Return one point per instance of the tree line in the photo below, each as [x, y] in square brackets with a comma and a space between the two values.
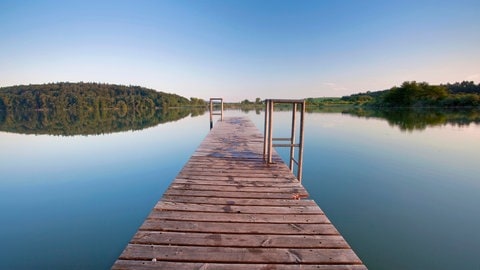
[421, 94]
[89, 96]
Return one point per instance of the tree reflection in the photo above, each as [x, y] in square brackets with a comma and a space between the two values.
[89, 122]
[408, 119]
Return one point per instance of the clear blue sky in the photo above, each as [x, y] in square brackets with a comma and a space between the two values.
[241, 49]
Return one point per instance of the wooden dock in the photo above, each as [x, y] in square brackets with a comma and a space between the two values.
[227, 209]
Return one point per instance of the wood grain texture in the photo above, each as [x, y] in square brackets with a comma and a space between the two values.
[168, 265]
[239, 240]
[237, 201]
[239, 255]
[227, 209]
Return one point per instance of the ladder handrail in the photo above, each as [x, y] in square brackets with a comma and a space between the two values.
[268, 133]
[212, 113]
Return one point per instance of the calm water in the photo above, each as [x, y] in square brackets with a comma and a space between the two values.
[404, 196]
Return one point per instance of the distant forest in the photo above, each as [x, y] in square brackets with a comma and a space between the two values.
[89, 96]
[421, 94]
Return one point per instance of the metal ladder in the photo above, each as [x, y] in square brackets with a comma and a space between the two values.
[268, 137]
[212, 112]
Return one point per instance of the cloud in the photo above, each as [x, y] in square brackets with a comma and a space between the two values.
[334, 86]
[328, 89]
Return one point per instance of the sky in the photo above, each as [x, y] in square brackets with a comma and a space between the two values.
[241, 49]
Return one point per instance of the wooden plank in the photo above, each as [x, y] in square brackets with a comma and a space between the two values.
[215, 164]
[207, 182]
[231, 194]
[273, 175]
[239, 217]
[231, 208]
[239, 255]
[237, 227]
[169, 265]
[290, 179]
[240, 188]
[238, 240]
[238, 168]
[237, 201]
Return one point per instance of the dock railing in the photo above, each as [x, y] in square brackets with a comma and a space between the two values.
[214, 111]
[292, 142]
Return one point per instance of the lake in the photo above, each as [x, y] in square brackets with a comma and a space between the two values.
[403, 188]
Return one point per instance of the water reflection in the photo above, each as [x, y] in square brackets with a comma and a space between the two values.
[94, 122]
[89, 122]
[411, 119]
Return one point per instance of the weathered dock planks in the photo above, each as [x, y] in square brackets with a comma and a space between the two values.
[227, 209]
